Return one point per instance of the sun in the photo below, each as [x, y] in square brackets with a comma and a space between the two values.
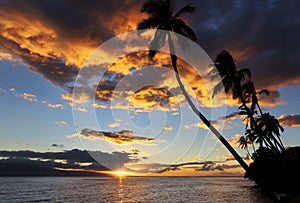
[121, 173]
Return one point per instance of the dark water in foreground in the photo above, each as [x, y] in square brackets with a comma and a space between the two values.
[129, 189]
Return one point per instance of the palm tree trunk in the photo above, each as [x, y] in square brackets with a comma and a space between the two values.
[281, 144]
[254, 150]
[248, 151]
[199, 114]
[260, 111]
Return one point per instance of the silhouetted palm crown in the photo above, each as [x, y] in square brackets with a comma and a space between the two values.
[161, 17]
[231, 77]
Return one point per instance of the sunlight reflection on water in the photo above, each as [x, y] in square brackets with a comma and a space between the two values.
[129, 189]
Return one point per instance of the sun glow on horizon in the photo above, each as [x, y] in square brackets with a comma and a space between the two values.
[120, 173]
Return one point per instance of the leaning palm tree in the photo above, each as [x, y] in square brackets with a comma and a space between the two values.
[161, 17]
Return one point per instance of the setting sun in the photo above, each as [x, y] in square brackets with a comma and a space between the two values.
[121, 173]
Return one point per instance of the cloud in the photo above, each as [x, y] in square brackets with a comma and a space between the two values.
[229, 157]
[121, 138]
[56, 45]
[33, 98]
[136, 151]
[202, 125]
[57, 145]
[232, 116]
[55, 106]
[168, 128]
[271, 100]
[61, 123]
[289, 120]
[114, 125]
[234, 141]
[2, 91]
[27, 96]
[262, 36]
[197, 166]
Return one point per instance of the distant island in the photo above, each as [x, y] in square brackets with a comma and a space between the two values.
[67, 163]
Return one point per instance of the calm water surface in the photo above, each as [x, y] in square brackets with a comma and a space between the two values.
[129, 189]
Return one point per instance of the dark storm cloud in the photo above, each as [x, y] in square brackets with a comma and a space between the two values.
[55, 37]
[73, 19]
[262, 35]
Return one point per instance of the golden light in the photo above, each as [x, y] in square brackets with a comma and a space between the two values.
[121, 173]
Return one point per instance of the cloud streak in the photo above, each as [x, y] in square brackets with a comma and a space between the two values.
[123, 137]
[202, 125]
[289, 120]
[61, 123]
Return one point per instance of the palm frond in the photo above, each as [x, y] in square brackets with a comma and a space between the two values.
[243, 73]
[181, 28]
[152, 6]
[217, 88]
[189, 8]
[248, 88]
[225, 64]
[157, 8]
[266, 92]
[235, 92]
[148, 23]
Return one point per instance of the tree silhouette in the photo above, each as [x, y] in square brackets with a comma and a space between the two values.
[161, 18]
[243, 143]
[261, 128]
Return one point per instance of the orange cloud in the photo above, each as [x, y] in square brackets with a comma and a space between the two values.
[114, 125]
[55, 106]
[26, 96]
[57, 45]
[289, 120]
[29, 97]
[234, 141]
[168, 128]
[137, 151]
[61, 123]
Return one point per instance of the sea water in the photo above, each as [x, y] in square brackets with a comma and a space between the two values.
[129, 189]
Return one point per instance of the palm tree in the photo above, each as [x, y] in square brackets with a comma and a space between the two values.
[250, 136]
[243, 143]
[242, 88]
[231, 77]
[161, 18]
[270, 126]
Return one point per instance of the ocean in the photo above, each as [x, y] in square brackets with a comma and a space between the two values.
[129, 189]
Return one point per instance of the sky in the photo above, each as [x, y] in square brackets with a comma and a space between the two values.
[139, 121]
